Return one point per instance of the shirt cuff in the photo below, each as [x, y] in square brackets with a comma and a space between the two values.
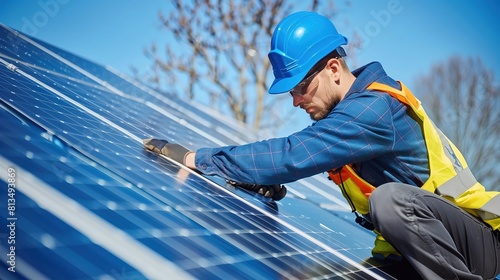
[203, 161]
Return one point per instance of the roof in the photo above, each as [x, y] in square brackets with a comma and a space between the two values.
[83, 199]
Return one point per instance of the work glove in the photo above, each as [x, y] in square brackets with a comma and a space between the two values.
[173, 151]
[276, 192]
[383, 250]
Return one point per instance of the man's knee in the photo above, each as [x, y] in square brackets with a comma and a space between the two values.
[384, 195]
[387, 202]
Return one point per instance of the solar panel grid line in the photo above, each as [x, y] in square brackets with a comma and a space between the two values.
[14, 107]
[186, 124]
[179, 120]
[80, 262]
[209, 226]
[236, 126]
[327, 228]
[181, 109]
[219, 257]
[223, 127]
[181, 210]
[322, 196]
[236, 139]
[267, 245]
[39, 100]
[12, 43]
[325, 180]
[219, 212]
[326, 194]
[283, 271]
[39, 68]
[302, 234]
[69, 63]
[98, 71]
[145, 260]
[66, 176]
[142, 223]
[188, 115]
[90, 112]
[296, 193]
[192, 258]
[8, 109]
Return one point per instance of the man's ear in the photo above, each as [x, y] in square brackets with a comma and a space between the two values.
[334, 68]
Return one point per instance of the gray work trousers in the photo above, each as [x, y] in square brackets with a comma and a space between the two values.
[440, 240]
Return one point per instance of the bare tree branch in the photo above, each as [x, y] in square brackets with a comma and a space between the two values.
[218, 54]
[463, 101]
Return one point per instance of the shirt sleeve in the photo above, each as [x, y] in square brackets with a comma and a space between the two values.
[359, 128]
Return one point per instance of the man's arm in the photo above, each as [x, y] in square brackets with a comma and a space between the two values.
[187, 157]
[359, 129]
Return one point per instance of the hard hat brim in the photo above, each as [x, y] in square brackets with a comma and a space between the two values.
[284, 85]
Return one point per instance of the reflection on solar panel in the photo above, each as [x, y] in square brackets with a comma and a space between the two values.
[86, 201]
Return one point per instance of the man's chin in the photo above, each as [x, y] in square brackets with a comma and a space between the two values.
[314, 117]
[318, 116]
[322, 113]
[311, 115]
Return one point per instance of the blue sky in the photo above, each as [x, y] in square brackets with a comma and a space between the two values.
[407, 36]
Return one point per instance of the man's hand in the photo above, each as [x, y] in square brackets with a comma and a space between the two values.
[173, 151]
[275, 192]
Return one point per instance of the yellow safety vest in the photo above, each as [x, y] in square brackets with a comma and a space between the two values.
[449, 176]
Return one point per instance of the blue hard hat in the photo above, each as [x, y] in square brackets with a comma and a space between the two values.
[299, 42]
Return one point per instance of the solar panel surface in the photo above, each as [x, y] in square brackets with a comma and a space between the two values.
[91, 203]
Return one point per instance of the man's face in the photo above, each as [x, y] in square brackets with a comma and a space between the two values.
[317, 96]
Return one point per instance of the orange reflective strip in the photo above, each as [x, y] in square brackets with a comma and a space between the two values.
[348, 173]
[405, 96]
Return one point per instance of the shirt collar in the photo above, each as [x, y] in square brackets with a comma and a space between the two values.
[366, 75]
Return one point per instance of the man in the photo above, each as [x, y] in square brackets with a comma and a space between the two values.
[375, 141]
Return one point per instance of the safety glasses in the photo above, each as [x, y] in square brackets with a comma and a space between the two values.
[301, 87]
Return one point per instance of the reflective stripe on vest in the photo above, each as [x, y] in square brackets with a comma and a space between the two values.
[362, 192]
[449, 174]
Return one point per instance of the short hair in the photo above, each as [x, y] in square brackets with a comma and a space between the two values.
[338, 53]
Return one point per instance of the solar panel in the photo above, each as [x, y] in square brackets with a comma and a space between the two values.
[90, 203]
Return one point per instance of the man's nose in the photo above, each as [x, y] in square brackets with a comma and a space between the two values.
[297, 99]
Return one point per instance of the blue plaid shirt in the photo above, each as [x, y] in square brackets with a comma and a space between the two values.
[369, 129]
